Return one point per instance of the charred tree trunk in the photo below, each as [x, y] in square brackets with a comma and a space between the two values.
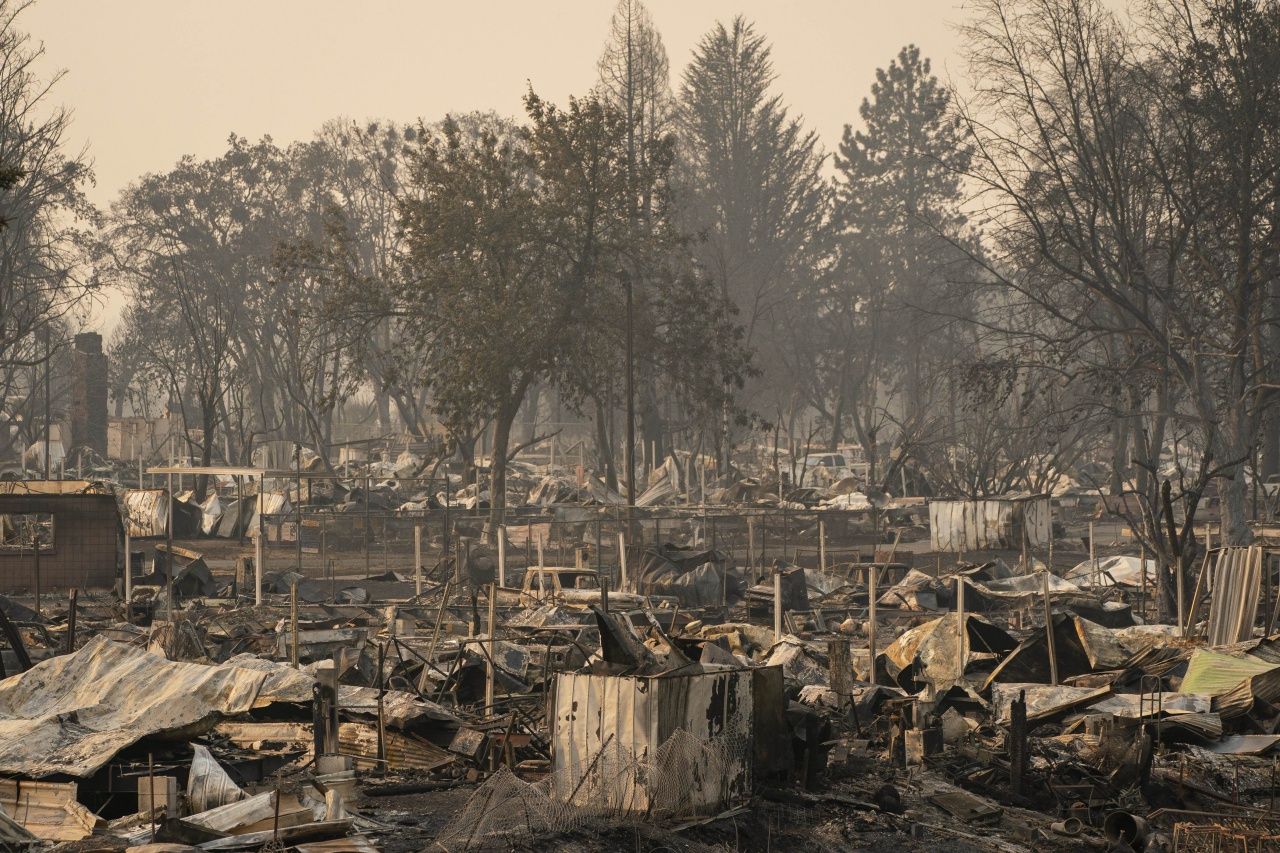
[531, 407]
[498, 465]
[604, 447]
[651, 423]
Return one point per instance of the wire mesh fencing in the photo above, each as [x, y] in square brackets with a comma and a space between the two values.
[1228, 836]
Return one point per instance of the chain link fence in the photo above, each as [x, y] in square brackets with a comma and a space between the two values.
[363, 541]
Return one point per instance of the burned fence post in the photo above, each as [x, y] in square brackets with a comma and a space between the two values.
[169, 564]
[382, 716]
[128, 574]
[368, 529]
[417, 560]
[873, 571]
[259, 551]
[1017, 742]
[777, 605]
[841, 670]
[489, 671]
[293, 624]
[72, 595]
[297, 507]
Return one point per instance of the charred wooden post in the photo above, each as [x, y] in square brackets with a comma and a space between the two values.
[1017, 742]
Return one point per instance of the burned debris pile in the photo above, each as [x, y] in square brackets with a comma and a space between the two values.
[352, 677]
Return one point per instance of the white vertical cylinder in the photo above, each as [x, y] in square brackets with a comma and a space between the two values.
[502, 555]
[822, 544]
[777, 606]
[622, 558]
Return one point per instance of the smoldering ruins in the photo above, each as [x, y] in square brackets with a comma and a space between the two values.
[650, 469]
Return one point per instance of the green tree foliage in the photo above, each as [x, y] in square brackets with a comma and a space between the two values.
[889, 305]
[508, 240]
[752, 189]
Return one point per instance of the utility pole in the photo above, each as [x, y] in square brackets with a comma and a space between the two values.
[297, 512]
[48, 365]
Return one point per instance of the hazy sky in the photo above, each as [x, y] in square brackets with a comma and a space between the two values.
[152, 80]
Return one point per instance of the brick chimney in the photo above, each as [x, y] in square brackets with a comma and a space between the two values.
[89, 393]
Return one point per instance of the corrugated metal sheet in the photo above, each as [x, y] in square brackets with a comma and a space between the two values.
[270, 504]
[69, 715]
[976, 525]
[146, 512]
[639, 714]
[1237, 585]
[360, 741]
[404, 752]
[1233, 682]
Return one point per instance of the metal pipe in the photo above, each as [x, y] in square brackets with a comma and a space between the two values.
[1048, 631]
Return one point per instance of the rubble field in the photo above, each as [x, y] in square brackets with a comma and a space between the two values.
[864, 691]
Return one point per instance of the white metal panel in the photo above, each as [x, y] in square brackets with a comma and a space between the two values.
[636, 715]
[146, 512]
[977, 525]
[1037, 515]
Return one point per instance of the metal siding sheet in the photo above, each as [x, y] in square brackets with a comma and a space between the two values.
[1037, 516]
[962, 526]
[146, 512]
[642, 714]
